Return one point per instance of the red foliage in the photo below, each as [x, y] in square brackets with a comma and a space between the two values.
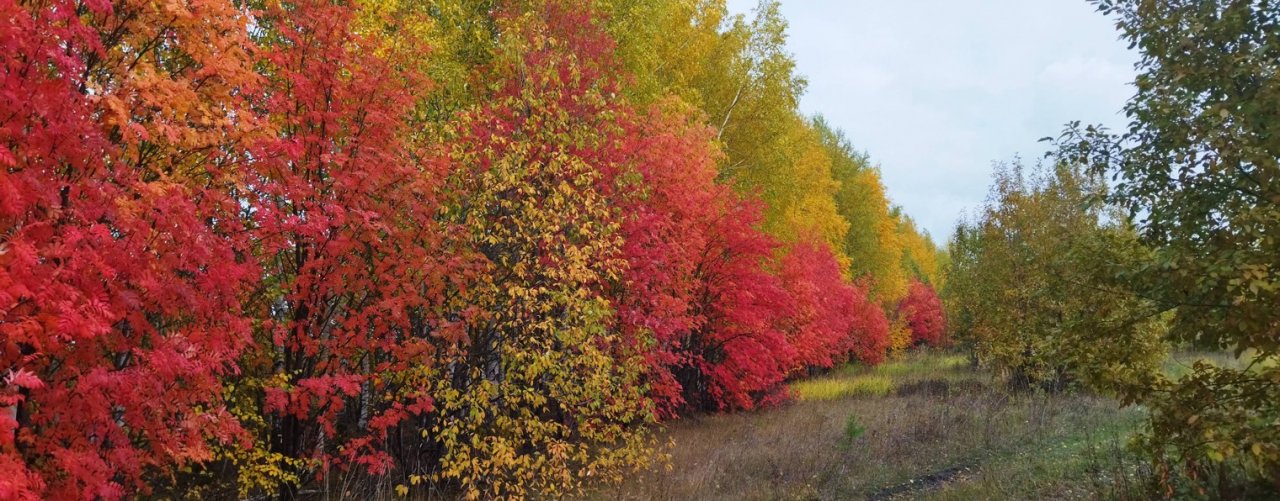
[833, 320]
[169, 190]
[726, 330]
[121, 259]
[695, 282]
[657, 296]
[697, 279]
[344, 216]
[740, 347]
[924, 315]
[871, 328]
[665, 234]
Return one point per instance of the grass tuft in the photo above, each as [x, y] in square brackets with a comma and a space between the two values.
[852, 430]
[923, 365]
[842, 387]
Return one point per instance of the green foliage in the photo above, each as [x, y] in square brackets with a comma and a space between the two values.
[1029, 287]
[853, 429]
[1199, 169]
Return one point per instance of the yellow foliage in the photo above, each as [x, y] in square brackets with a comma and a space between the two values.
[446, 40]
[899, 336]
[921, 257]
[739, 74]
[542, 396]
[800, 193]
[872, 243]
[670, 47]
[258, 469]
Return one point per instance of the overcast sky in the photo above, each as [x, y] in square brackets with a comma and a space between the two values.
[937, 90]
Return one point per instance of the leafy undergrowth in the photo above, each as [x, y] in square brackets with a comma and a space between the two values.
[929, 426]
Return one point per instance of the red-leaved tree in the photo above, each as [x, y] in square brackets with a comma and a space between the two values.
[343, 210]
[698, 279]
[739, 355]
[832, 320]
[665, 231]
[122, 261]
[924, 315]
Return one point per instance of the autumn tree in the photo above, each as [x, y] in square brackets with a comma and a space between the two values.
[772, 150]
[724, 316]
[873, 243]
[924, 315]
[256, 249]
[444, 40]
[539, 394]
[738, 72]
[699, 276]
[1027, 287]
[921, 258]
[1197, 169]
[832, 320]
[666, 229]
[122, 263]
[739, 356]
[342, 210]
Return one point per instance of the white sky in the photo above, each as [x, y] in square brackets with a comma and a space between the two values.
[937, 90]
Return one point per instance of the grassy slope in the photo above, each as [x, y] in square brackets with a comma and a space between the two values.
[937, 429]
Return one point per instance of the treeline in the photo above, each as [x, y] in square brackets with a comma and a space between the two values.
[465, 248]
[1086, 270]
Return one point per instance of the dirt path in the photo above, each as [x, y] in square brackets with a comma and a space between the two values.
[925, 483]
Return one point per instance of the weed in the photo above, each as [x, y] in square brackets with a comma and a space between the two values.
[853, 429]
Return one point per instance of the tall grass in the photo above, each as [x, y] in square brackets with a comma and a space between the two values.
[926, 425]
[833, 388]
[924, 364]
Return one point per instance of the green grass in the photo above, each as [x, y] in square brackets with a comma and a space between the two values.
[857, 380]
[923, 364]
[1083, 462]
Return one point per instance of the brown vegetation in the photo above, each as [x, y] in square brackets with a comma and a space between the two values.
[946, 430]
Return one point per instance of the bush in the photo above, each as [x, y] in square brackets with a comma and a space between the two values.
[1033, 286]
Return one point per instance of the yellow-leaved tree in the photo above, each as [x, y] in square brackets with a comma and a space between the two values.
[534, 394]
[921, 258]
[738, 73]
[873, 244]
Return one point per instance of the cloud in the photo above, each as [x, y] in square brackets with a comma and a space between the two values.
[937, 90]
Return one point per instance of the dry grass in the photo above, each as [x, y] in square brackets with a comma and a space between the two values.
[941, 424]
